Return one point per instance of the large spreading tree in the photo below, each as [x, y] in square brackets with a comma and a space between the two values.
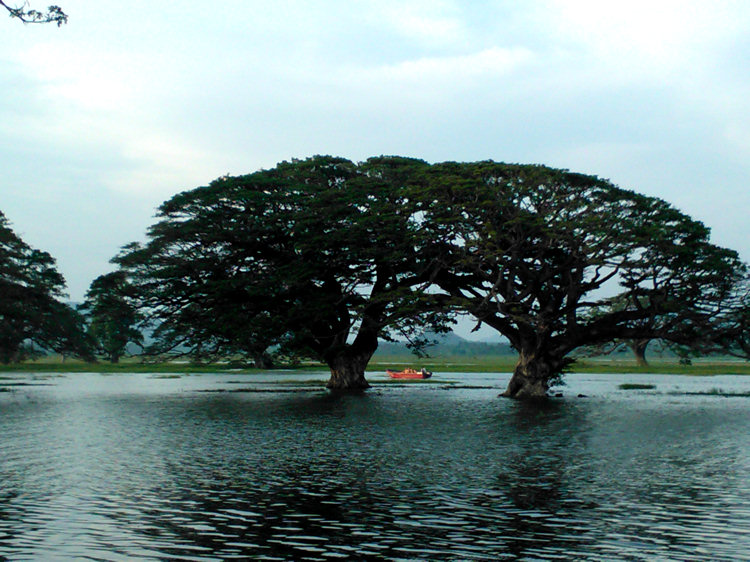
[31, 311]
[539, 254]
[317, 256]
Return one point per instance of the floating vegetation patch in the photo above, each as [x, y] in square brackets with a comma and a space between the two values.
[292, 382]
[636, 386]
[166, 376]
[286, 382]
[471, 387]
[714, 392]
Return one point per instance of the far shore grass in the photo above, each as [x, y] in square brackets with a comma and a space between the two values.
[501, 364]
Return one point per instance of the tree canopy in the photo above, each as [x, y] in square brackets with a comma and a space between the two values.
[539, 254]
[30, 309]
[316, 256]
[54, 14]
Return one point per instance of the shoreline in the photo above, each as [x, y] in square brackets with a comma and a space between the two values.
[700, 367]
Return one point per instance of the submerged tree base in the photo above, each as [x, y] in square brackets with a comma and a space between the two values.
[533, 391]
[532, 376]
[348, 370]
[357, 386]
[344, 380]
[522, 388]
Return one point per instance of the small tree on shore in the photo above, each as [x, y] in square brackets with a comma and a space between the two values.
[112, 316]
[65, 333]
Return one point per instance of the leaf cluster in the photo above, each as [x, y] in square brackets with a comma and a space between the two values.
[54, 14]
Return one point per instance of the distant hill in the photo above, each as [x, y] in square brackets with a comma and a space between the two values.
[448, 345]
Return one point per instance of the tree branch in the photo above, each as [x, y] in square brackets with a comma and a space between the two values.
[54, 14]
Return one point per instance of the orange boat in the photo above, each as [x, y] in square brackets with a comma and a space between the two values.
[409, 374]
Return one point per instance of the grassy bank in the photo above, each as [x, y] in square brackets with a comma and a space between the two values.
[699, 367]
[506, 364]
[503, 364]
[125, 366]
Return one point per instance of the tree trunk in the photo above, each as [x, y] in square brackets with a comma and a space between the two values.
[262, 360]
[10, 353]
[348, 361]
[114, 358]
[639, 350]
[532, 375]
[348, 372]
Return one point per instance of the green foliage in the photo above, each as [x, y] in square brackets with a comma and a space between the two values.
[30, 312]
[315, 256]
[65, 332]
[528, 249]
[112, 315]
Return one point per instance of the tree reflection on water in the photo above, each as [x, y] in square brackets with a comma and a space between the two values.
[414, 473]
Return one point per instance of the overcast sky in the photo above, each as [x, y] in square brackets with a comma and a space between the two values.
[104, 118]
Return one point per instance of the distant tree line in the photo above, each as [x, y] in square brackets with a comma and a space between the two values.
[322, 258]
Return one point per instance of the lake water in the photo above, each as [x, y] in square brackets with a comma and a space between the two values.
[227, 466]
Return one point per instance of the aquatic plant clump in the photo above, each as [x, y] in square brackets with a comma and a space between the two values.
[636, 386]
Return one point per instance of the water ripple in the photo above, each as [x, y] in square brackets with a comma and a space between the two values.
[124, 471]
